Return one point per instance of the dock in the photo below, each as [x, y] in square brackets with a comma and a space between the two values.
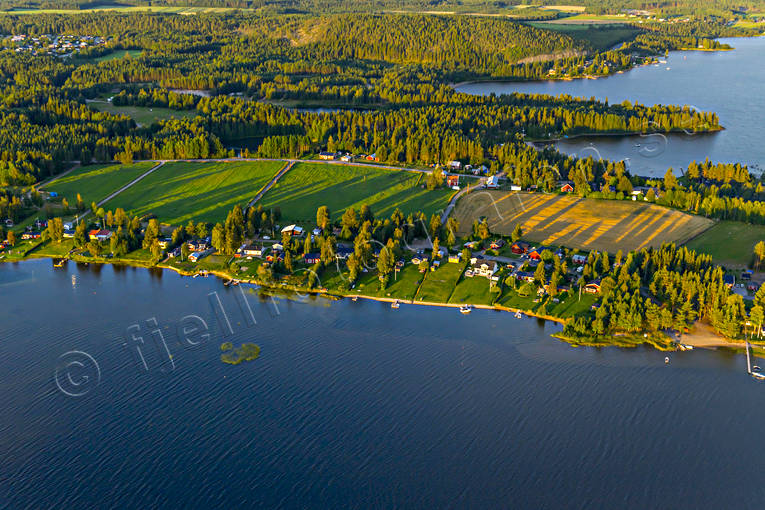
[753, 372]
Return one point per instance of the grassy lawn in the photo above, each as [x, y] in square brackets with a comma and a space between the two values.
[143, 115]
[180, 191]
[510, 298]
[404, 286]
[729, 242]
[50, 249]
[117, 55]
[474, 291]
[439, 284]
[96, 182]
[571, 305]
[310, 185]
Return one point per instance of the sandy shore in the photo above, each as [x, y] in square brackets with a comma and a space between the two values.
[704, 336]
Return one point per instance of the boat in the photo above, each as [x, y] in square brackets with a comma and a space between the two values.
[518, 315]
[59, 263]
[666, 360]
[355, 298]
[394, 305]
[466, 309]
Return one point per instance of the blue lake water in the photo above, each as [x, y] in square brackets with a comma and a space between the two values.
[728, 83]
[350, 405]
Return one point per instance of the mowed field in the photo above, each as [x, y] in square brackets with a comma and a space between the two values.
[564, 220]
[307, 186]
[96, 182]
[180, 191]
[729, 242]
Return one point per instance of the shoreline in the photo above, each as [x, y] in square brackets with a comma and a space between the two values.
[702, 336]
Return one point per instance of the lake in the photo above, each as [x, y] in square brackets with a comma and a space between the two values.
[728, 83]
[350, 405]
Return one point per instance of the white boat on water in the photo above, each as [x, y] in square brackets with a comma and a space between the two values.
[394, 305]
[466, 309]
[518, 315]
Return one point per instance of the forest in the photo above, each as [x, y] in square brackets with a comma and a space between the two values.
[392, 72]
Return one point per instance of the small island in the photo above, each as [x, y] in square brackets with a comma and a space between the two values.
[236, 355]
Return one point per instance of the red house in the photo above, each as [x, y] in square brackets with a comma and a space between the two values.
[452, 180]
[536, 254]
[519, 247]
[567, 188]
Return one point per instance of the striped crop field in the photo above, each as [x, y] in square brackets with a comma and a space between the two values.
[565, 220]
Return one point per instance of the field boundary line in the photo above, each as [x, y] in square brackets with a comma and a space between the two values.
[128, 185]
[267, 186]
[55, 178]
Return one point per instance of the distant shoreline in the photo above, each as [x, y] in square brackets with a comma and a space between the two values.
[702, 336]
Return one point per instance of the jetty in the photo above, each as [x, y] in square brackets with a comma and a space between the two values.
[753, 371]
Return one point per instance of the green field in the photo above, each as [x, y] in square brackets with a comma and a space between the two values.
[601, 37]
[96, 182]
[729, 242]
[115, 55]
[308, 186]
[143, 115]
[180, 191]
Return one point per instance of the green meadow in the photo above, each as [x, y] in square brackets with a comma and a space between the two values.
[143, 115]
[118, 54]
[729, 242]
[96, 182]
[181, 191]
[601, 37]
[307, 186]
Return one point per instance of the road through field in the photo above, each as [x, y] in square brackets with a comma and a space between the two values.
[270, 183]
[126, 186]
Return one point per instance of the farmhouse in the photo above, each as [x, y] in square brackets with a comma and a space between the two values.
[293, 230]
[251, 250]
[327, 156]
[101, 235]
[519, 247]
[496, 245]
[492, 182]
[197, 245]
[68, 234]
[455, 258]
[199, 255]
[312, 258]
[164, 242]
[524, 276]
[454, 165]
[30, 235]
[579, 259]
[593, 287]
[567, 187]
[536, 253]
[729, 280]
[485, 268]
